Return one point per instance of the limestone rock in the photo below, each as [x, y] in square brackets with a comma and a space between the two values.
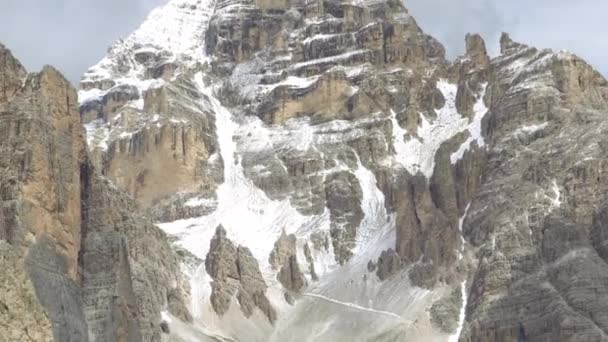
[42, 152]
[534, 246]
[388, 263]
[172, 155]
[344, 197]
[508, 45]
[290, 275]
[445, 312]
[22, 317]
[476, 50]
[234, 270]
[60, 295]
[347, 116]
[106, 266]
[423, 230]
[98, 268]
[284, 248]
[12, 74]
[311, 263]
[148, 281]
[284, 258]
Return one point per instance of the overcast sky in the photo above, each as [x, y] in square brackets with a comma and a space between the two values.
[74, 34]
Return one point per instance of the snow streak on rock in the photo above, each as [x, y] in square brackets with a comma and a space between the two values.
[418, 153]
[463, 285]
[354, 306]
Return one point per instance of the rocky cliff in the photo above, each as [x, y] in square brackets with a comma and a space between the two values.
[367, 174]
[79, 263]
[318, 171]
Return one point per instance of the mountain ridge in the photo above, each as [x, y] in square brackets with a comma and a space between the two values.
[341, 151]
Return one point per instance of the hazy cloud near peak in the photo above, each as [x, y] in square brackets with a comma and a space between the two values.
[73, 35]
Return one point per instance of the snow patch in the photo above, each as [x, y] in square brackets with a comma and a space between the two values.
[164, 315]
[94, 94]
[530, 129]
[463, 286]
[418, 154]
[201, 201]
[98, 134]
[462, 313]
[376, 218]
[556, 202]
[460, 224]
[330, 59]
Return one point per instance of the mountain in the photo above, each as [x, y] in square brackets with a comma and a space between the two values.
[302, 170]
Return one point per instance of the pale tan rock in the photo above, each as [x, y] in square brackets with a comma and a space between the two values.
[22, 318]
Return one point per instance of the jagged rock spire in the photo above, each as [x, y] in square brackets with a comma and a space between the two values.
[11, 74]
[476, 50]
[507, 45]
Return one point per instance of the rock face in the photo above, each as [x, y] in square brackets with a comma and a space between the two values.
[21, 315]
[80, 263]
[12, 75]
[235, 271]
[336, 141]
[444, 312]
[41, 156]
[535, 207]
[153, 138]
[371, 179]
[284, 257]
[130, 273]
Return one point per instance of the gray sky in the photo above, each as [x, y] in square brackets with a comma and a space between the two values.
[74, 34]
[575, 25]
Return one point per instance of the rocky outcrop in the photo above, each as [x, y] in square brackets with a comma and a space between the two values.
[529, 211]
[153, 157]
[388, 264]
[311, 263]
[284, 258]
[128, 257]
[12, 74]
[291, 278]
[424, 233]
[344, 202]
[40, 160]
[235, 271]
[444, 312]
[42, 152]
[283, 249]
[98, 270]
